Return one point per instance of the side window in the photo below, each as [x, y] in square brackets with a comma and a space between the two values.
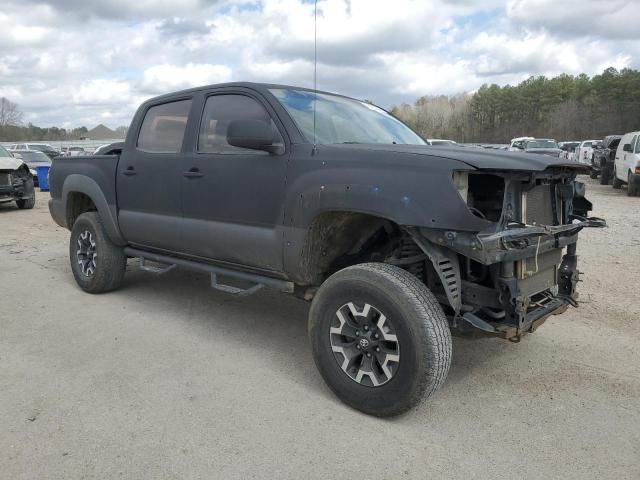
[163, 127]
[219, 112]
[637, 149]
[633, 143]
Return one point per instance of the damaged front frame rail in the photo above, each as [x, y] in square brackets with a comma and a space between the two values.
[508, 312]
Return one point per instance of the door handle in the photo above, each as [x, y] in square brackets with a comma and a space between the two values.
[129, 171]
[193, 173]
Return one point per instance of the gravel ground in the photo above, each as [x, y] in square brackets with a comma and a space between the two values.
[167, 379]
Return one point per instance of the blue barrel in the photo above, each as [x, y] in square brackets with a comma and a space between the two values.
[43, 178]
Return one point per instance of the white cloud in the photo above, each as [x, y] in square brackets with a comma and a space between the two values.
[74, 62]
[165, 78]
[579, 18]
[102, 92]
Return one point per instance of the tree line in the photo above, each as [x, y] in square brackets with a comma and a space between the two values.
[12, 128]
[565, 107]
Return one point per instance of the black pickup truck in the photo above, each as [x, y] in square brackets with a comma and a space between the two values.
[396, 243]
[604, 157]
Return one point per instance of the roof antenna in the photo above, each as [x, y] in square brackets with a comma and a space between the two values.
[315, 74]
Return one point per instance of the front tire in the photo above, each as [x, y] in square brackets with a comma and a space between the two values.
[98, 264]
[379, 338]
[617, 184]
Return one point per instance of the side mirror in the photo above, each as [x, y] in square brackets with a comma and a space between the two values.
[626, 147]
[252, 134]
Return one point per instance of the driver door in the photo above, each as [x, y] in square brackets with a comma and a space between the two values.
[233, 199]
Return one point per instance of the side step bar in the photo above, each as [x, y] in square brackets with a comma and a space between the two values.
[259, 281]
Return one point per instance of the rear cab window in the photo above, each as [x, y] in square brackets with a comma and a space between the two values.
[164, 126]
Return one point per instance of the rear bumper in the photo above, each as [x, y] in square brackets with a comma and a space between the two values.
[56, 209]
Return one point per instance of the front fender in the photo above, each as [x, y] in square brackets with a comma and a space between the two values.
[108, 213]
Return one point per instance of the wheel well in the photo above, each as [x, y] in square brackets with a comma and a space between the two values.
[338, 239]
[77, 204]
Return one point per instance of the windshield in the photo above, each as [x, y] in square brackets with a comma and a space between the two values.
[34, 157]
[3, 152]
[343, 120]
[40, 147]
[541, 144]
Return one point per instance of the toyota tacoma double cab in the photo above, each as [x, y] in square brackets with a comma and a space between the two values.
[395, 243]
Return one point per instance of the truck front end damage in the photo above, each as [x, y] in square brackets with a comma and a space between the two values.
[15, 183]
[509, 278]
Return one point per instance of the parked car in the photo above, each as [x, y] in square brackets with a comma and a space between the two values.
[394, 242]
[438, 142]
[517, 144]
[585, 151]
[16, 183]
[626, 169]
[542, 146]
[604, 156]
[47, 149]
[75, 151]
[35, 159]
[568, 150]
[109, 149]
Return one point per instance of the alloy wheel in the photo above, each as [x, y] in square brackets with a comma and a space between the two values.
[364, 344]
[86, 253]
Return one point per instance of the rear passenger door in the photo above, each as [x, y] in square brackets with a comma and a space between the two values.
[233, 202]
[149, 178]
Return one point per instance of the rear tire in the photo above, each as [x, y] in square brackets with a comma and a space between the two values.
[632, 189]
[604, 175]
[27, 203]
[593, 175]
[617, 184]
[397, 321]
[98, 264]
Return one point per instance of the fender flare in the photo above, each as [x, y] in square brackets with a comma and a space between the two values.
[108, 213]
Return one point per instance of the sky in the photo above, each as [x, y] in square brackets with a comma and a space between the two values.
[71, 63]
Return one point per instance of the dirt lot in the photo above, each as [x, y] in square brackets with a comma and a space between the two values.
[166, 378]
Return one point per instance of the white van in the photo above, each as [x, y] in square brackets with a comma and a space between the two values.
[626, 168]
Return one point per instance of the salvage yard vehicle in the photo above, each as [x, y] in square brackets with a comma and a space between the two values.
[568, 150]
[396, 243]
[45, 148]
[439, 142]
[604, 157]
[542, 146]
[517, 144]
[35, 159]
[626, 168]
[16, 182]
[585, 151]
